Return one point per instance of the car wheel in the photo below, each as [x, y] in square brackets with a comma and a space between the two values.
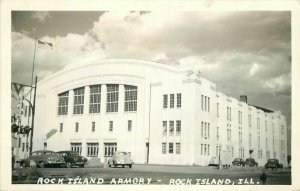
[42, 164]
[68, 165]
[109, 165]
[123, 166]
[81, 166]
[130, 166]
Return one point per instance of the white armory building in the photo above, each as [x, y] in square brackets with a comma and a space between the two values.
[159, 113]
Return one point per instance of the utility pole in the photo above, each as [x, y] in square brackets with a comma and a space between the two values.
[32, 119]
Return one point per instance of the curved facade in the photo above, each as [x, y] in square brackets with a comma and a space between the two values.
[159, 113]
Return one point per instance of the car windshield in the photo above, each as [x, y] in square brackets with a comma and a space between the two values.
[272, 160]
[73, 153]
[122, 153]
[49, 153]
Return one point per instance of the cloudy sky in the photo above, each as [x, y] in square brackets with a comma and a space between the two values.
[247, 52]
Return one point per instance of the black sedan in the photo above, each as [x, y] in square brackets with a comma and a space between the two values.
[72, 158]
[251, 162]
[273, 163]
[238, 162]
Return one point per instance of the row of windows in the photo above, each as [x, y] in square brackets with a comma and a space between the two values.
[229, 113]
[205, 149]
[112, 99]
[171, 148]
[93, 126]
[172, 100]
[93, 149]
[228, 134]
[240, 116]
[205, 103]
[26, 109]
[240, 138]
[171, 127]
[241, 152]
[205, 129]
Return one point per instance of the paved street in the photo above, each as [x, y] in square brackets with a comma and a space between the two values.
[155, 174]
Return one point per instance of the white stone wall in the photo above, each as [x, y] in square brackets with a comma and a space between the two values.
[153, 81]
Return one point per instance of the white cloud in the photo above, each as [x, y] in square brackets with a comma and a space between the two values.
[41, 16]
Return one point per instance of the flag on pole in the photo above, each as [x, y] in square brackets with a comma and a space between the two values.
[45, 45]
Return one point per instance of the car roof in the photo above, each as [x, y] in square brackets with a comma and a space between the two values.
[66, 152]
[43, 151]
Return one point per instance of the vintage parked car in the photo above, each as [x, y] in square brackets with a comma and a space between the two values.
[120, 158]
[44, 158]
[213, 162]
[238, 162]
[273, 163]
[251, 162]
[73, 158]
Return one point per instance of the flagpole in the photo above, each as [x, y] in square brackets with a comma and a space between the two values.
[33, 64]
[32, 108]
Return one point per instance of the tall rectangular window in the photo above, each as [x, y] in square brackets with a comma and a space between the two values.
[208, 149]
[208, 104]
[92, 149]
[95, 98]
[164, 148]
[93, 126]
[129, 127]
[171, 127]
[76, 127]
[61, 126]
[205, 103]
[63, 100]
[218, 110]
[178, 101]
[23, 147]
[241, 117]
[171, 148]
[178, 127]
[266, 126]
[165, 126]
[201, 149]
[178, 148]
[78, 101]
[112, 99]
[165, 101]
[202, 102]
[77, 147]
[208, 129]
[25, 113]
[130, 98]
[172, 100]
[249, 120]
[110, 149]
[202, 129]
[111, 126]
